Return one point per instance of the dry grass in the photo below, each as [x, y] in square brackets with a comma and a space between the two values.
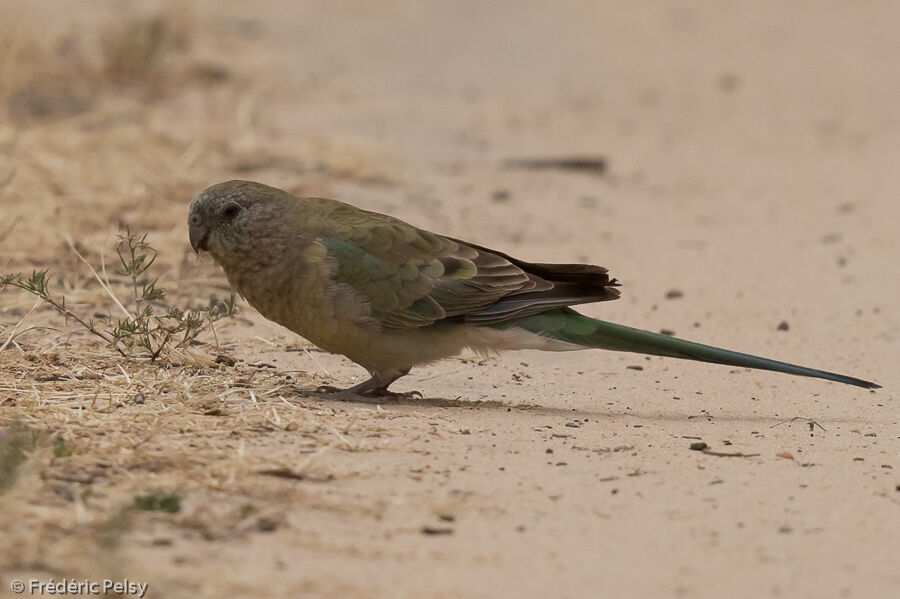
[93, 140]
[128, 429]
[94, 446]
[40, 79]
[139, 50]
[119, 126]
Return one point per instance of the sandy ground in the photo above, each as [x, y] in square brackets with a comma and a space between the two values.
[752, 165]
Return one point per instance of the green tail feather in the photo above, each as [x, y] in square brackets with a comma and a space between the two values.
[568, 325]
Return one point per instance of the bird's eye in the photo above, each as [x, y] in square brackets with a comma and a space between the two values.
[231, 210]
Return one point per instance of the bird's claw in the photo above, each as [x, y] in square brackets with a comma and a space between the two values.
[396, 395]
[369, 395]
[328, 389]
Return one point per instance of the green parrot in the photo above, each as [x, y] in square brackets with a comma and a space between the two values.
[390, 296]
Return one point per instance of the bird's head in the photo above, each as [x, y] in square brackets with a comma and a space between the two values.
[236, 221]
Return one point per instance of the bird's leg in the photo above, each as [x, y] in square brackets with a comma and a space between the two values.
[376, 388]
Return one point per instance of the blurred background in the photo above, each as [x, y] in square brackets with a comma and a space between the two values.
[118, 112]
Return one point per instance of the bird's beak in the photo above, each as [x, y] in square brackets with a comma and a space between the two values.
[198, 233]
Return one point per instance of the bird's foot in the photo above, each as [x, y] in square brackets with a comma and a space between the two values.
[397, 395]
[328, 389]
[368, 394]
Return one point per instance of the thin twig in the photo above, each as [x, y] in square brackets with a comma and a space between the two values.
[316, 362]
[725, 454]
[105, 287]
[12, 334]
[809, 421]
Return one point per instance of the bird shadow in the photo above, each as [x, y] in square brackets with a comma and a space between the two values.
[417, 400]
[409, 399]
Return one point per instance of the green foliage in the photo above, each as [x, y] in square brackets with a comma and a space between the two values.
[61, 449]
[158, 502]
[152, 327]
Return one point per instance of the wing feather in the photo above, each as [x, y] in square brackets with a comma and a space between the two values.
[414, 278]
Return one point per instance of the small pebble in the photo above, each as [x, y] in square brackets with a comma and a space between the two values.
[226, 360]
[64, 491]
[784, 326]
[699, 446]
[728, 82]
[266, 525]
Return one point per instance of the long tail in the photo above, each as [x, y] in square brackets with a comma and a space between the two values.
[567, 325]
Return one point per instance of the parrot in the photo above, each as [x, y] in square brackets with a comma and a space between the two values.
[390, 296]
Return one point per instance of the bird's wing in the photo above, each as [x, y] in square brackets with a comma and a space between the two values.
[413, 278]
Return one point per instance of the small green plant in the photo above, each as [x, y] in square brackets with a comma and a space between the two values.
[158, 502]
[151, 327]
[61, 449]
